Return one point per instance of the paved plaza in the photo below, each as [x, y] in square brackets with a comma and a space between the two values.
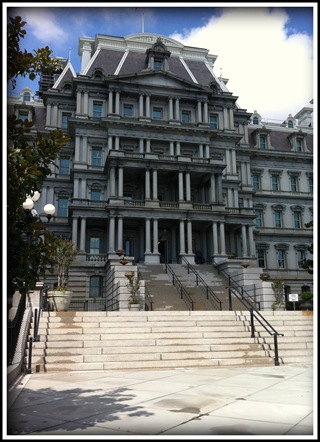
[166, 404]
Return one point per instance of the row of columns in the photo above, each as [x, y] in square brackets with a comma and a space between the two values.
[115, 240]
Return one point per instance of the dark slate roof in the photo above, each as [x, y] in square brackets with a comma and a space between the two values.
[107, 61]
[280, 140]
[200, 72]
[134, 63]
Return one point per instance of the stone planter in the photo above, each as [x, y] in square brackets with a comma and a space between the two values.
[59, 301]
[134, 307]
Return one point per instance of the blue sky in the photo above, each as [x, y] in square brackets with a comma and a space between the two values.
[265, 50]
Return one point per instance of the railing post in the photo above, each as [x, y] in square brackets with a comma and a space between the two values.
[29, 369]
[276, 356]
[35, 330]
[252, 322]
[181, 294]
[230, 297]
[207, 290]
[197, 280]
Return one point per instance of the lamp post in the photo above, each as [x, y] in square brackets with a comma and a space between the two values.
[28, 206]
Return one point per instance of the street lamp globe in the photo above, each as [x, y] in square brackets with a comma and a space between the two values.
[35, 196]
[49, 210]
[28, 204]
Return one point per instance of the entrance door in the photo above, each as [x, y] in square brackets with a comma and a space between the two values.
[163, 250]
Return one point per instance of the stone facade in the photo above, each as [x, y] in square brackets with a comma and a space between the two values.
[162, 162]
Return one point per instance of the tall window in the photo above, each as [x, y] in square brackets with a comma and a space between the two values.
[26, 96]
[293, 183]
[281, 259]
[157, 113]
[310, 184]
[95, 195]
[278, 218]
[256, 181]
[262, 142]
[96, 156]
[259, 217]
[157, 64]
[301, 255]
[213, 121]
[261, 258]
[275, 182]
[64, 166]
[185, 117]
[128, 110]
[297, 220]
[95, 286]
[97, 109]
[65, 118]
[299, 144]
[127, 247]
[63, 206]
[94, 245]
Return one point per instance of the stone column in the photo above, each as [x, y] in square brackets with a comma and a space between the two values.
[112, 182]
[170, 109]
[120, 182]
[205, 113]
[207, 146]
[171, 148]
[148, 106]
[85, 103]
[147, 185]
[177, 109]
[148, 236]
[141, 145]
[110, 143]
[188, 187]
[83, 235]
[75, 231]
[120, 233]
[181, 193]
[155, 184]
[212, 189]
[48, 116]
[141, 105]
[244, 241]
[251, 242]
[222, 239]
[111, 234]
[189, 238]
[182, 238]
[117, 102]
[155, 236]
[215, 238]
[200, 150]
[110, 102]
[199, 112]
[79, 102]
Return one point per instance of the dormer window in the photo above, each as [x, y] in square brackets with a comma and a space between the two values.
[290, 124]
[255, 120]
[27, 96]
[157, 56]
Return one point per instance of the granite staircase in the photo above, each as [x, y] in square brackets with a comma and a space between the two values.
[84, 341]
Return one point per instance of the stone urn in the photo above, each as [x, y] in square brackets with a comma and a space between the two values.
[59, 300]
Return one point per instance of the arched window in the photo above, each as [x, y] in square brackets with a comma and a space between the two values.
[27, 96]
[255, 120]
[290, 124]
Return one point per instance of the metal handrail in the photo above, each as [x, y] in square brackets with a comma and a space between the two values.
[211, 296]
[254, 312]
[183, 293]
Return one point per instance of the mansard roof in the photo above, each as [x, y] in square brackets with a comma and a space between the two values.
[129, 55]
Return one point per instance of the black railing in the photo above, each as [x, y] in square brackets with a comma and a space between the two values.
[255, 314]
[13, 328]
[200, 282]
[182, 291]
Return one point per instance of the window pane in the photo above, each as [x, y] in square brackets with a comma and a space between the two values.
[64, 166]
[95, 195]
[213, 122]
[97, 110]
[63, 207]
[94, 245]
[128, 111]
[281, 259]
[293, 184]
[297, 220]
[186, 117]
[275, 182]
[95, 286]
[256, 182]
[157, 65]
[96, 157]
[65, 118]
[261, 258]
[157, 114]
[258, 218]
[262, 142]
[277, 218]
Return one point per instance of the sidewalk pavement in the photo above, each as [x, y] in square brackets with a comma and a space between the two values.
[166, 404]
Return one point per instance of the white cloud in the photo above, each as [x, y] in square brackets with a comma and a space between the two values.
[43, 25]
[267, 70]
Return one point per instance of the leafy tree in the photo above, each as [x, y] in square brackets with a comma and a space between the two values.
[308, 263]
[30, 246]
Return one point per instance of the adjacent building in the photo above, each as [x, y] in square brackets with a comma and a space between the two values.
[164, 164]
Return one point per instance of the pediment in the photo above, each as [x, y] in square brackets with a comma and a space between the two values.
[161, 79]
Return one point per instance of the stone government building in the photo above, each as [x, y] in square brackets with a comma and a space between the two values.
[164, 164]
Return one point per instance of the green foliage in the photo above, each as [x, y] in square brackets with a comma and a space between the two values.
[308, 263]
[306, 296]
[30, 246]
[64, 256]
[23, 63]
[134, 287]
